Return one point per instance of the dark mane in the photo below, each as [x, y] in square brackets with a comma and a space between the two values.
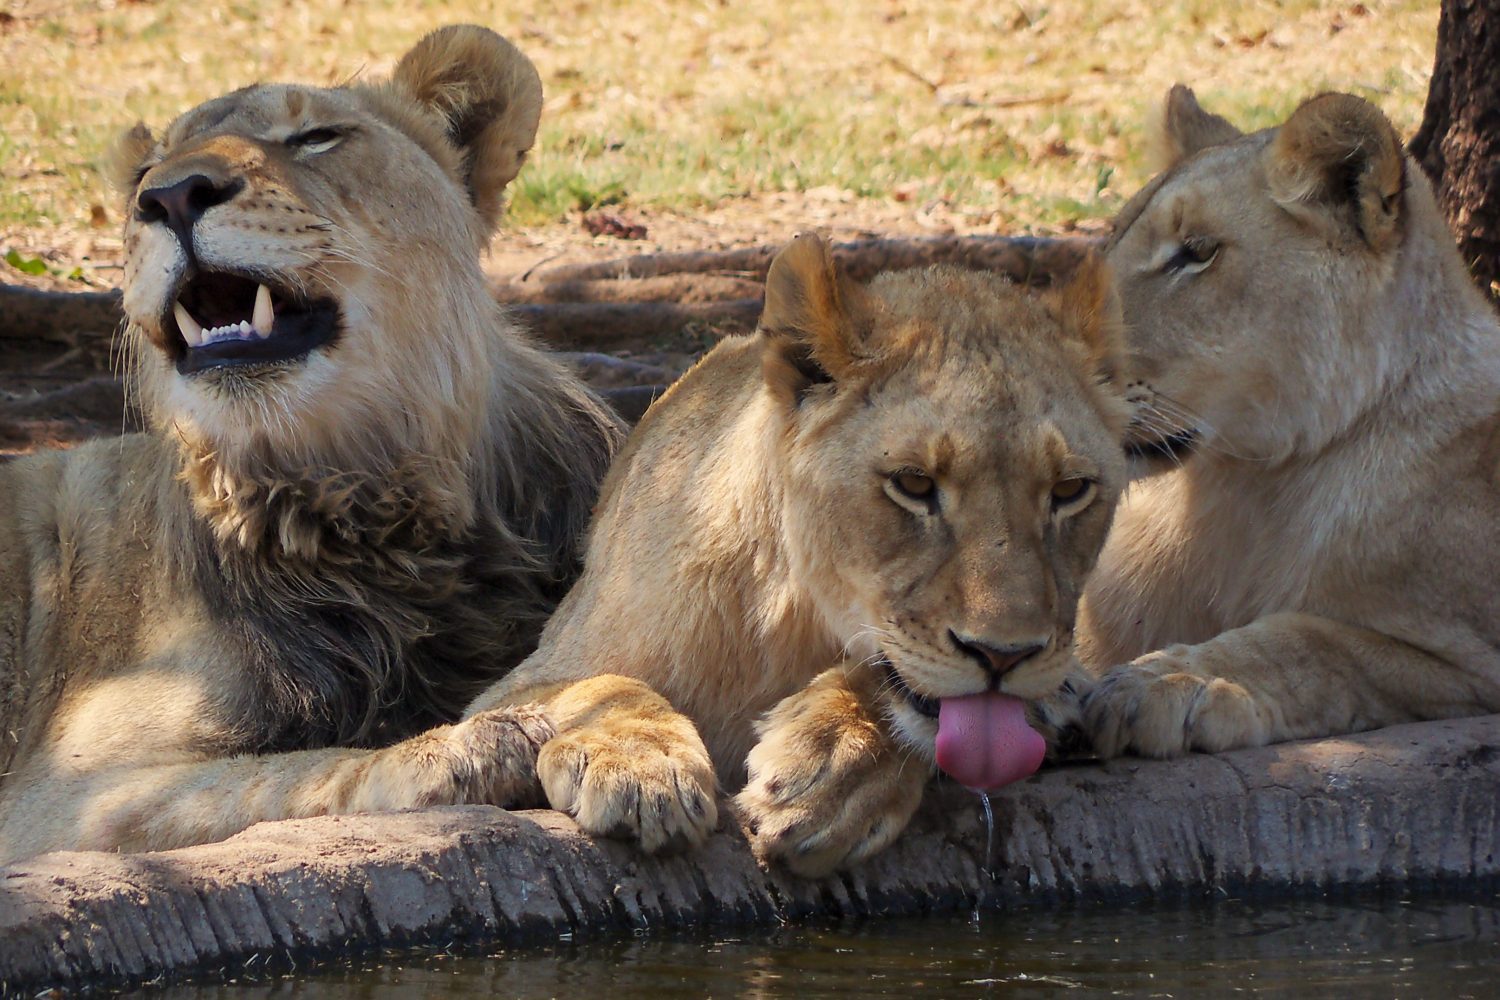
[400, 619]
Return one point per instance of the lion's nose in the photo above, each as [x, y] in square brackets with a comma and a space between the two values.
[998, 660]
[182, 204]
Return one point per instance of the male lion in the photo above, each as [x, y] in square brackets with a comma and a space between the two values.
[1314, 357]
[359, 499]
[878, 511]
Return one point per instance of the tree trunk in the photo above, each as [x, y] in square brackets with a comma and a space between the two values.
[1459, 141]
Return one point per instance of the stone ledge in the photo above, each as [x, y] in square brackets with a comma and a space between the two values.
[1405, 806]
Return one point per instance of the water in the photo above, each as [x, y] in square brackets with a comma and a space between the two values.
[1441, 948]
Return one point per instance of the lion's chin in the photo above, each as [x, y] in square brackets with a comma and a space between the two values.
[222, 319]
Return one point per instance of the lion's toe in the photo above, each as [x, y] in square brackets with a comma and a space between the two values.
[1138, 711]
[1225, 717]
[657, 791]
[813, 816]
[1145, 710]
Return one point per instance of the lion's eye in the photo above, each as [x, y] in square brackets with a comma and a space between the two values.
[915, 485]
[1072, 492]
[315, 140]
[909, 487]
[1195, 254]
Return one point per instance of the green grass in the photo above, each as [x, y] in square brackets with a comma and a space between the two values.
[1027, 114]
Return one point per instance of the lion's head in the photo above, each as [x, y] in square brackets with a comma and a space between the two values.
[952, 450]
[302, 262]
[1263, 277]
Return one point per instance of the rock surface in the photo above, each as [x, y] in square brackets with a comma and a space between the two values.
[1407, 806]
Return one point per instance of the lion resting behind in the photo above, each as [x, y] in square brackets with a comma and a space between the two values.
[871, 520]
[359, 499]
[1321, 380]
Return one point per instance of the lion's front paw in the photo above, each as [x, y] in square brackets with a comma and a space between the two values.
[488, 759]
[1157, 708]
[1059, 717]
[826, 791]
[649, 780]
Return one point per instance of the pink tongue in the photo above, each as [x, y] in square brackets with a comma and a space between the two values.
[983, 741]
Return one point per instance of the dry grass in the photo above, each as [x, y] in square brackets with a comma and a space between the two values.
[894, 114]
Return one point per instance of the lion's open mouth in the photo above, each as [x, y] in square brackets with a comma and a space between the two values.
[920, 704]
[1169, 448]
[222, 319]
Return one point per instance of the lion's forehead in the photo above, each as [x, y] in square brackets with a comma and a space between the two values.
[1209, 186]
[999, 437]
[265, 111]
[1006, 381]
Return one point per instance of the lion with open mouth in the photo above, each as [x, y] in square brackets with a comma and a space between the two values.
[360, 497]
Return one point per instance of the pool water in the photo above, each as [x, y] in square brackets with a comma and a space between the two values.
[1441, 947]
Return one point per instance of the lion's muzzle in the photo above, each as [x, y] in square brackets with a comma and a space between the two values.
[181, 204]
[220, 318]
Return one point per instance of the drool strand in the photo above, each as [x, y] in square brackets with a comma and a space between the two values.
[986, 884]
[989, 837]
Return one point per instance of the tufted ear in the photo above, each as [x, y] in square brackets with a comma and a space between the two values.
[1088, 308]
[1185, 128]
[813, 318]
[122, 164]
[1337, 163]
[490, 97]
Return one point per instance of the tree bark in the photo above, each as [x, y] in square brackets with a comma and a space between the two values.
[1024, 259]
[606, 326]
[1458, 143]
[682, 289]
[53, 329]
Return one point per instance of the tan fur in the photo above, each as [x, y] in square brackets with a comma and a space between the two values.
[225, 619]
[751, 555]
[1323, 562]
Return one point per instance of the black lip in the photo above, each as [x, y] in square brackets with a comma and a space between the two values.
[1174, 447]
[302, 325]
[921, 705]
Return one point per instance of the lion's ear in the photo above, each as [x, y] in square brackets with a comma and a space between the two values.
[122, 164]
[490, 97]
[1088, 309]
[1338, 160]
[811, 319]
[1185, 128]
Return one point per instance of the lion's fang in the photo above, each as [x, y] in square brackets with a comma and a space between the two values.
[265, 315]
[192, 332]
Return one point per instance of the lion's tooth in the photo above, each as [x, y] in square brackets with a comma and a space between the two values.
[265, 316]
[191, 331]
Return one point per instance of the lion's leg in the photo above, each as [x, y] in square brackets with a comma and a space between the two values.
[1281, 678]
[624, 763]
[829, 785]
[489, 758]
